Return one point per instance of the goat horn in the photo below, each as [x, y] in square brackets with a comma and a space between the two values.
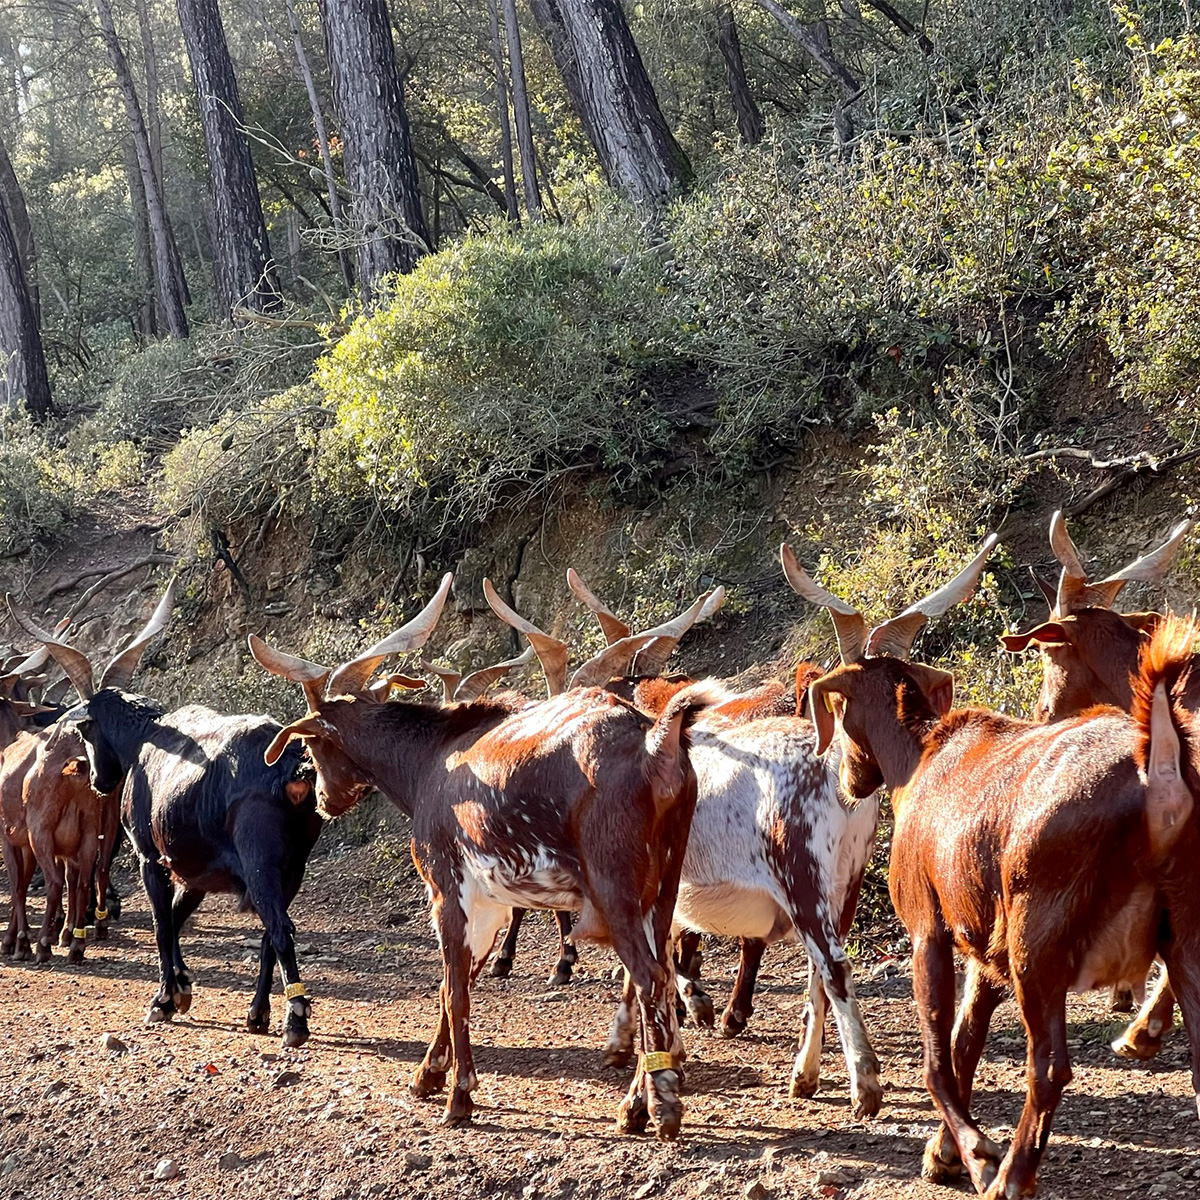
[653, 658]
[1148, 569]
[74, 662]
[552, 653]
[896, 636]
[848, 622]
[450, 678]
[19, 667]
[120, 671]
[310, 675]
[350, 678]
[474, 685]
[614, 628]
[1072, 593]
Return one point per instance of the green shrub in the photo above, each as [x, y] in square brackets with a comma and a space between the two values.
[502, 363]
[35, 502]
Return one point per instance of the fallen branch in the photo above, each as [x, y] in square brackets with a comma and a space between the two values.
[1126, 476]
[1142, 459]
[110, 575]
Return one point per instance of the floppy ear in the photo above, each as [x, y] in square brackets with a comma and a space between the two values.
[821, 708]
[937, 687]
[1143, 622]
[1049, 633]
[309, 725]
[75, 766]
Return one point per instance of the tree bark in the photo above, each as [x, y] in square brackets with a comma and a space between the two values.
[167, 284]
[314, 103]
[24, 374]
[245, 270]
[506, 145]
[143, 253]
[13, 198]
[611, 91]
[381, 168]
[903, 24]
[520, 98]
[745, 107]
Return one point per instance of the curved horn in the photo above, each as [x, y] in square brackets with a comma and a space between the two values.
[450, 678]
[896, 636]
[1072, 583]
[552, 653]
[351, 677]
[74, 662]
[1148, 569]
[848, 622]
[474, 685]
[310, 675]
[614, 629]
[652, 659]
[21, 668]
[120, 671]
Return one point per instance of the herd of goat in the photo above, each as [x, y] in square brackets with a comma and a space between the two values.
[1055, 855]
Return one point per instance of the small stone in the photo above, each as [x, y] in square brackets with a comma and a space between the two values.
[231, 1161]
[167, 1168]
[285, 1079]
[113, 1044]
[756, 1190]
[11, 1163]
[414, 1161]
[836, 1177]
[644, 1190]
[708, 1188]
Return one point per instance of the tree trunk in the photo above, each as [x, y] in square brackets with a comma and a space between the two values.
[381, 168]
[24, 365]
[604, 73]
[506, 147]
[749, 118]
[143, 253]
[244, 268]
[13, 198]
[520, 97]
[314, 103]
[167, 284]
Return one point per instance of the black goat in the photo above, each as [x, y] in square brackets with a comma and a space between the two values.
[206, 814]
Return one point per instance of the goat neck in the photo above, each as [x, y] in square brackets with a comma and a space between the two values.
[126, 722]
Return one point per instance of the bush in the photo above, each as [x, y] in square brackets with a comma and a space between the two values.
[35, 503]
[501, 364]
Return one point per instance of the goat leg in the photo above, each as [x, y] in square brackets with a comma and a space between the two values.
[78, 885]
[567, 954]
[741, 999]
[502, 964]
[1143, 1037]
[157, 883]
[52, 920]
[258, 1016]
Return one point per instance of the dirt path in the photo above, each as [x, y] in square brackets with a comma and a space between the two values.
[334, 1120]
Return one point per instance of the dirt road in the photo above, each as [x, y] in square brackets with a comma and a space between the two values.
[240, 1117]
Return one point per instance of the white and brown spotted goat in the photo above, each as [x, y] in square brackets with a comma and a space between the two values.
[579, 802]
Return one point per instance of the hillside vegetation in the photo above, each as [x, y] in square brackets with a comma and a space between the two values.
[873, 347]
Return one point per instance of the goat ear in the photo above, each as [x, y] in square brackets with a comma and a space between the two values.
[821, 709]
[309, 725]
[1049, 633]
[1143, 622]
[75, 767]
[936, 685]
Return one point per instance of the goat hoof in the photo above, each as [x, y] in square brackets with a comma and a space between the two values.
[427, 1083]
[102, 931]
[75, 955]
[940, 1162]
[702, 1010]
[295, 1032]
[501, 968]
[43, 954]
[868, 1100]
[258, 1022]
[6, 949]
[633, 1117]
[1138, 1044]
[182, 995]
[561, 977]
[803, 1089]
[733, 1023]
[24, 952]
[160, 1010]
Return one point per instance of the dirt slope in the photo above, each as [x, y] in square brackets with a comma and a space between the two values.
[334, 1121]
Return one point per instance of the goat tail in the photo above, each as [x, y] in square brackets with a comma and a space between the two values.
[1167, 744]
[666, 740]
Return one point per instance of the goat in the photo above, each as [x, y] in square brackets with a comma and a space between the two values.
[577, 802]
[1089, 656]
[774, 851]
[1037, 851]
[204, 814]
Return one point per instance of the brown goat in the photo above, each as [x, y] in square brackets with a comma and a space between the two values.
[577, 802]
[1039, 852]
[1089, 656]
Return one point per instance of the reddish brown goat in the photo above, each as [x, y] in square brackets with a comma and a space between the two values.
[1041, 853]
[1090, 656]
[577, 802]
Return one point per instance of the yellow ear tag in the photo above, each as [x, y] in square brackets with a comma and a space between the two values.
[829, 704]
